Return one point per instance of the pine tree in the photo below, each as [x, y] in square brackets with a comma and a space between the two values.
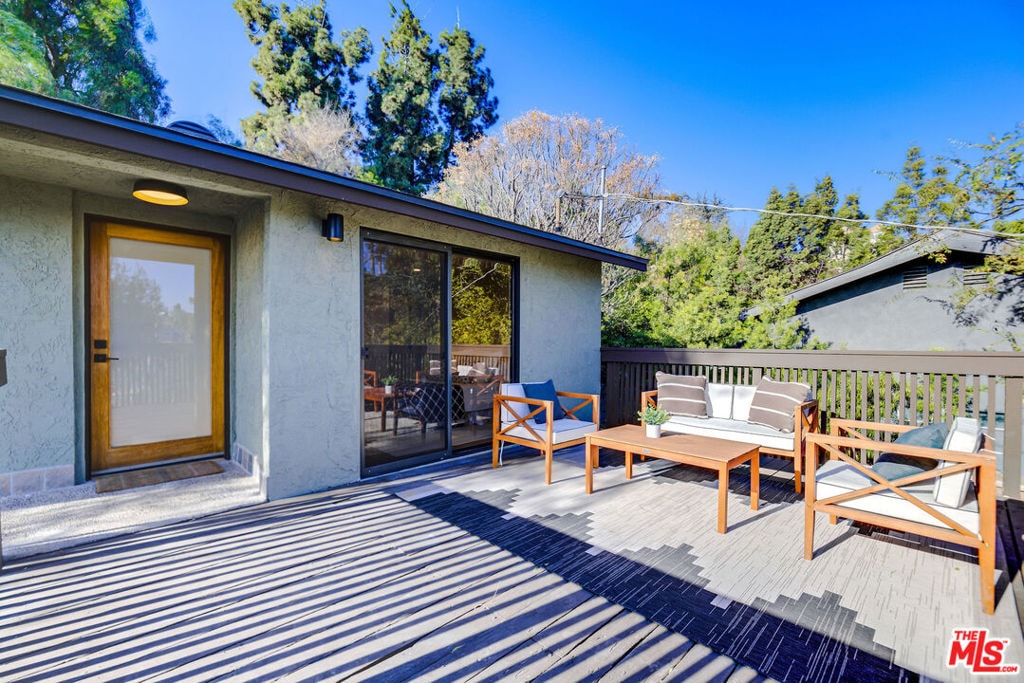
[301, 66]
[422, 102]
[93, 51]
[465, 106]
[403, 143]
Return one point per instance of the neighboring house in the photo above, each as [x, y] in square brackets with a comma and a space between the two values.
[906, 300]
[139, 333]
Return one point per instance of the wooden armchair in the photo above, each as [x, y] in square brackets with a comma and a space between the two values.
[514, 422]
[939, 503]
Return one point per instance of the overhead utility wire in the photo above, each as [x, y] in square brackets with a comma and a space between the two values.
[720, 207]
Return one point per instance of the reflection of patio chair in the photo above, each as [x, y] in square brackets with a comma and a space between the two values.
[426, 403]
[370, 396]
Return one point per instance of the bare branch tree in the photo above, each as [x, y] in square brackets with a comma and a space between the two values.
[540, 166]
[320, 137]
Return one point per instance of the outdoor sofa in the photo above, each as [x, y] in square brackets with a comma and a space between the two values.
[777, 416]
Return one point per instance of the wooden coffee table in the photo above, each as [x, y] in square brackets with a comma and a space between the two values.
[701, 451]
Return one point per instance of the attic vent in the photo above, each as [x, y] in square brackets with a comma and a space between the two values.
[194, 129]
[915, 278]
[975, 277]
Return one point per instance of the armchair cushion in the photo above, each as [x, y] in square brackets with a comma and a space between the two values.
[965, 435]
[562, 430]
[836, 477]
[775, 403]
[893, 466]
[682, 394]
[514, 389]
[544, 391]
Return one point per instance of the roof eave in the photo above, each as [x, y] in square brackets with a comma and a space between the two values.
[65, 119]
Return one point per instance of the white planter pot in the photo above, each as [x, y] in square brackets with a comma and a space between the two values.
[653, 431]
[387, 389]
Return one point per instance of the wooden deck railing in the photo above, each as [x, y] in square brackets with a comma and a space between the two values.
[907, 387]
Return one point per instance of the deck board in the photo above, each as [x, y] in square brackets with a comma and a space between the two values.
[486, 575]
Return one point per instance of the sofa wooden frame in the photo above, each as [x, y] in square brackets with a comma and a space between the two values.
[541, 438]
[846, 435]
[805, 421]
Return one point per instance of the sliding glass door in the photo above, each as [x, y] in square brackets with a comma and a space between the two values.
[438, 340]
[404, 329]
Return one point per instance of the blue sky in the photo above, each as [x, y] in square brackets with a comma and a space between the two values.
[734, 98]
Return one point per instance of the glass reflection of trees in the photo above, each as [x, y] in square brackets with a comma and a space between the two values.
[402, 290]
[481, 301]
[137, 309]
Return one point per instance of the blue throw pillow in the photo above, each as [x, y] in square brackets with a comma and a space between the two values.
[894, 466]
[932, 436]
[544, 391]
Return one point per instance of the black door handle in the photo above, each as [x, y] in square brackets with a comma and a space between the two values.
[102, 358]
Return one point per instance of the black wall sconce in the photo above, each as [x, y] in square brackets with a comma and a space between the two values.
[333, 228]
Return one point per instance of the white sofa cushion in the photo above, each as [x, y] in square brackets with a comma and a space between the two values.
[719, 398]
[515, 389]
[836, 477]
[964, 436]
[730, 430]
[566, 429]
[742, 397]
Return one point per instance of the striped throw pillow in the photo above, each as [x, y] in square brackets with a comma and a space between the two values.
[775, 403]
[682, 394]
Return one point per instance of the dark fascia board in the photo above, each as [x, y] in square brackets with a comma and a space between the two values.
[974, 242]
[42, 114]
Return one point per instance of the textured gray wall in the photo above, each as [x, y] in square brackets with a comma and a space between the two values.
[37, 407]
[313, 311]
[249, 360]
[295, 384]
[876, 313]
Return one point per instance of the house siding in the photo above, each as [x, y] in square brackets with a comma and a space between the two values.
[37, 406]
[294, 389]
[877, 313]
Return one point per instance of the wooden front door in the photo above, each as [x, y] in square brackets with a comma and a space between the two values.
[156, 344]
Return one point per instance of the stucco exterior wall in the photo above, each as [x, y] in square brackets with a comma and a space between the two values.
[37, 406]
[248, 370]
[295, 390]
[312, 319]
[314, 388]
[877, 313]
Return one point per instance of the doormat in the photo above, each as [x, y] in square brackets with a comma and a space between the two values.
[155, 475]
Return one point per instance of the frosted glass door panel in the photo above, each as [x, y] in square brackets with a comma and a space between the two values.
[160, 342]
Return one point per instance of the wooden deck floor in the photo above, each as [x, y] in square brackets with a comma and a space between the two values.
[416, 580]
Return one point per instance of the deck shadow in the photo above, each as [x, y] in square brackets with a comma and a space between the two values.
[749, 634]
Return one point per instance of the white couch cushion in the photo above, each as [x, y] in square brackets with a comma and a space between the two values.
[566, 429]
[836, 477]
[719, 398]
[742, 397]
[515, 389]
[730, 430]
[964, 436]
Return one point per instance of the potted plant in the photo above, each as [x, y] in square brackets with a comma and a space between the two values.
[653, 417]
[389, 383]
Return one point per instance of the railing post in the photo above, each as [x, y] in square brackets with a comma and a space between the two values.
[1012, 425]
